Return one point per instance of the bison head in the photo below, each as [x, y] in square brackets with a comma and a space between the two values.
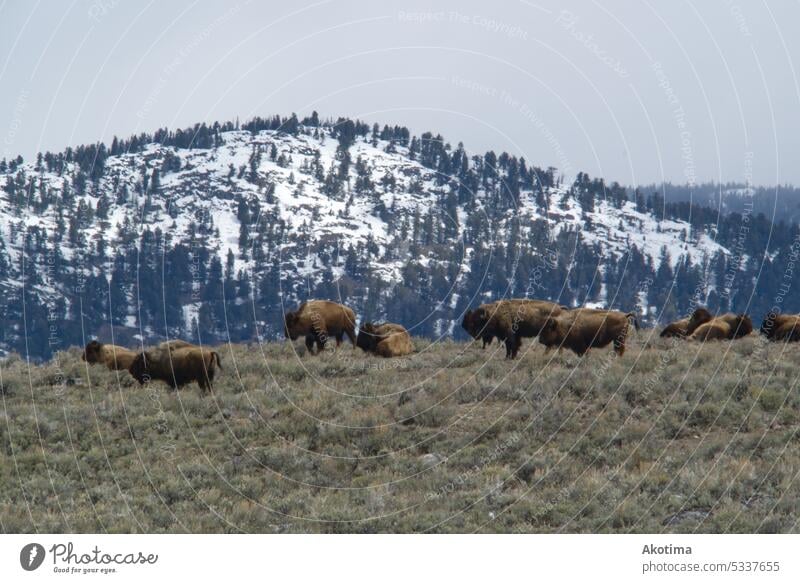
[468, 323]
[550, 334]
[138, 368]
[290, 326]
[743, 326]
[367, 339]
[768, 325]
[699, 317]
[91, 353]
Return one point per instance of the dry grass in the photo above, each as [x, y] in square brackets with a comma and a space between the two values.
[453, 439]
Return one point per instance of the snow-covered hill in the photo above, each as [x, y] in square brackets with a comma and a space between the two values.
[315, 211]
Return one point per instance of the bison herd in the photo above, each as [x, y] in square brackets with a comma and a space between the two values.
[177, 362]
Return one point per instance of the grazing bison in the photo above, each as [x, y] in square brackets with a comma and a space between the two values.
[684, 327]
[512, 320]
[581, 329]
[781, 327]
[385, 340]
[725, 327]
[318, 320]
[114, 357]
[177, 366]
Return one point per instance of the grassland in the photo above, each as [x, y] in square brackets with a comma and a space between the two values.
[672, 437]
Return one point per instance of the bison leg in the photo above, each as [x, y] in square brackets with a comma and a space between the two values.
[351, 334]
[339, 337]
[487, 340]
[619, 346]
[207, 381]
[310, 343]
[513, 343]
[321, 339]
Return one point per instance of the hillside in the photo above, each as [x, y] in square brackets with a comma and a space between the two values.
[209, 232]
[673, 437]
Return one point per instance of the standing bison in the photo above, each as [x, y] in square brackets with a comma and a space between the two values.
[584, 328]
[177, 364]
[385, 340]
[113, 356]
[684, 327]
[725, 327]
[318, 320]
[512, 320]
[781, 327]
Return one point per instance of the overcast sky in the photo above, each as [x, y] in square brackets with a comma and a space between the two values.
[634, 92]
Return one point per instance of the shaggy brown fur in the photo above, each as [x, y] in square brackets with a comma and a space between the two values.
[113, 356]
[581, 329]
[725, 327]
[175, 344]
[685, 326]
[385, 340]
[318, 320]
[781, 327]
[178, 366]
[512, 320]
[475, 324]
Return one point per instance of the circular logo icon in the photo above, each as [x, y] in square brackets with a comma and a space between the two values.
[31, 556]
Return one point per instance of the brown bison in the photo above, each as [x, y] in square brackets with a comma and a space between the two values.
[684, 327]
[385, 340]
[512, 320]
[113, 356]
[725, 327]
[581, 329]
[781, 327]
[177, 366]
[318, 320]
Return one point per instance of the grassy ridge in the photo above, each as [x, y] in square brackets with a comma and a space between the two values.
[672, 437]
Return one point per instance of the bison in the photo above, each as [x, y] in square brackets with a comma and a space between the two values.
[684, 327]
[512, 320]
[177, 365]
[318, 320]
[113, 356]
[581, 329]
[781, 327]
[385, 340]
[725, 327]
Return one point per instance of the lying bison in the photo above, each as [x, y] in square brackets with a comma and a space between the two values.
[385, 340]
[113, 356]
[583, 328]
[512, 320]
[177, 364]
[781, 327]
[684, 327]
[318, 320]
[725, 327]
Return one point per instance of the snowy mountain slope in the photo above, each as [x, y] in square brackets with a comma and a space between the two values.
[364, 215]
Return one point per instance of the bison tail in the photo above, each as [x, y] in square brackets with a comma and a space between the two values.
[632, 316]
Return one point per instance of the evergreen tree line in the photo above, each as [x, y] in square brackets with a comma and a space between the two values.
[62, 287]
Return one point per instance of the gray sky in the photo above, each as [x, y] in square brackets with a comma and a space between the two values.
[634, 92]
